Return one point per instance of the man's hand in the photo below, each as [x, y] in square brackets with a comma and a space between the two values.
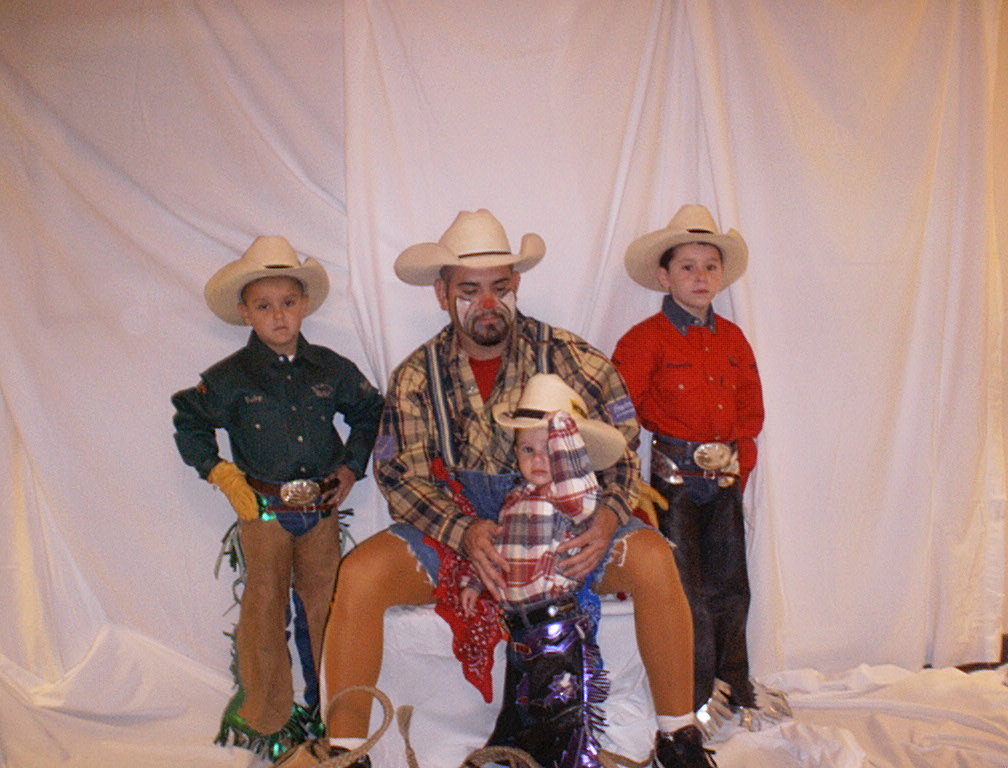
[591, 545]
[231, 481]
[478, 546]
[336, 496]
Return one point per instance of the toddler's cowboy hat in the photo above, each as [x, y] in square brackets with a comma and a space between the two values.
[268, 256]
[474, 239]
[691, 224]
[545, 393]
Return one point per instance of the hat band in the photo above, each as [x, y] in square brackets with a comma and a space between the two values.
[527, 413]
[484, 253]
[530, 413]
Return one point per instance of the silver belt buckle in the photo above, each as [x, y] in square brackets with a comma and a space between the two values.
[712, 456]
[299, 493]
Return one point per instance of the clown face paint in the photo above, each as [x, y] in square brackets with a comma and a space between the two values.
[486, 320]
[482, 304]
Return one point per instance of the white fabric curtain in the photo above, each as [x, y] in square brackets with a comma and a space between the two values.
[143, 145]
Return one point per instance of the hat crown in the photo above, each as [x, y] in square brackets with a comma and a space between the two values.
[547, 392]
[694, 218]
[271, 252]
[475, 233]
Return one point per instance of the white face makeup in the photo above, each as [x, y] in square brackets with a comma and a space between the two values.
[482, 302]
[488, 319]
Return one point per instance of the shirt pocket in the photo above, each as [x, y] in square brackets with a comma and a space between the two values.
[261, 428]
[678, 383]
[318, 409]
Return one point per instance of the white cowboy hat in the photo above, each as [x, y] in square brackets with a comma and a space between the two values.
[691, 224]
[545, 393]
[474, 239]
[268, 256]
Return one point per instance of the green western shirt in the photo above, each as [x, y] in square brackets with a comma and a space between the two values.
[279, 413]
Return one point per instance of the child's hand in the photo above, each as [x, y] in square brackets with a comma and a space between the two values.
[336, 496]
[467, 597]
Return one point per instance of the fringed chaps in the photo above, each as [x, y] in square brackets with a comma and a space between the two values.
[553, 690]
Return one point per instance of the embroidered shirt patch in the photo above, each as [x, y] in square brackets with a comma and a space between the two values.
[622, 410]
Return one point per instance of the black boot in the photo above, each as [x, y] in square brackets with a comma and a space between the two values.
[682, 749]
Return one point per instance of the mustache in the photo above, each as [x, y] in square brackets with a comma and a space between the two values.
[500, 311]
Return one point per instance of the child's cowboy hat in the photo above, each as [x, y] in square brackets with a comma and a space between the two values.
[474, 239]
[268, 256]
[691, 224]
[545, 393]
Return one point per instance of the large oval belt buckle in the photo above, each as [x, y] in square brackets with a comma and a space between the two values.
[299, 493]
[712, 456]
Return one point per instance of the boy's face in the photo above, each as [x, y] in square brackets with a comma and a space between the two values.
[693, 277]
[532, 450]
[275, 307]
[481, 302]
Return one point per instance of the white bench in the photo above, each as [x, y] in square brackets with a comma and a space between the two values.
[450, 718]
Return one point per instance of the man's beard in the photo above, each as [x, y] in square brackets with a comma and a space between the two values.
[489, 328]
[486, 327]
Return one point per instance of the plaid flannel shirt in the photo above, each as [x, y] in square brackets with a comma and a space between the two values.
[407, 438]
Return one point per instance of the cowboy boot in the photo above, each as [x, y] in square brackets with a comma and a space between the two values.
[682, 749]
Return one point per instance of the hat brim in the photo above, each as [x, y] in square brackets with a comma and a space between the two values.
[223, 290]
[604, 443]
[641, 259]
[421, 264]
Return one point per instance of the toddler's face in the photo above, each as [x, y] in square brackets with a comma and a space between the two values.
[532, 451]
[693, 277]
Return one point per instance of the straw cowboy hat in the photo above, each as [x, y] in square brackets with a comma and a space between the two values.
[268, 256]
[691, 224]
[474, 239]
[545, 393]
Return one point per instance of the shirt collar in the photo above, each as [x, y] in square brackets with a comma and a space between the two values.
[262, 353]
[683, 320]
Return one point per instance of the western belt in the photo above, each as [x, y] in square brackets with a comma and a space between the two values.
[294, 493]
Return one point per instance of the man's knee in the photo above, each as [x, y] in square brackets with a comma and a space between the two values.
[646, 562]
[380, 571]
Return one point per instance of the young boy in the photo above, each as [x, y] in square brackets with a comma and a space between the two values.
[277, 398]
[554, 681]
[693, 380]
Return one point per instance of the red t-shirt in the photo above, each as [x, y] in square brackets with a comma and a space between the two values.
[485, 372]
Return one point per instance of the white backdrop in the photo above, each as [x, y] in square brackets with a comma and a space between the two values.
[143, 145]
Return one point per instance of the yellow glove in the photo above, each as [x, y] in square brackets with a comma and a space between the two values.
[231, 481]
[647, 499]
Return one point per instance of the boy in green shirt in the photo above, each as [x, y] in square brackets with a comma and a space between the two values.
[276, 398]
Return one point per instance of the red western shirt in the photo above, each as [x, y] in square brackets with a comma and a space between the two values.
[693, 380]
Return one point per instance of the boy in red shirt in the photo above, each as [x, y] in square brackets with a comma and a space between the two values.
[692, 377]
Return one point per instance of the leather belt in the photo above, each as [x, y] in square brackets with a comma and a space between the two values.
[708, 456]
[294, 493]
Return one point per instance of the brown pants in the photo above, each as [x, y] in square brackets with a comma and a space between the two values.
[272, 555]
[381, 572]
